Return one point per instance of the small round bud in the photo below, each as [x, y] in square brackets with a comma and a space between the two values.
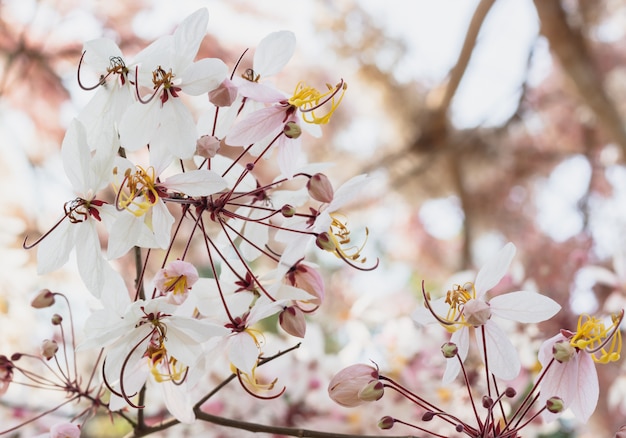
[16, 356]
[56, 319]
[563, 351]
[320, 188]
[449, 350]
[487, 402]
[554, 405]
[49, 348]
[249, 167]
[288, 210]
[45, 298]
[224, 95]
[428, 415]
[510, 392]
[323, 241]
[292, 130]
[373, 391]
[459, 428]
[386, 422]
[207, 146]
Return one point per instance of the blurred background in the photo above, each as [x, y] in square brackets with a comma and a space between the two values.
[482, 122]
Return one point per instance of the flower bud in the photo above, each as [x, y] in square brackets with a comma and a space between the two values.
[563, 351]
[288, 210]
[292, 130]
[554, 405]
[207, 146]
[373, 391]
[348, 383]
[49, 348]
[386, 422]
[510, 392]
[320, 188]
[224, 95]
[487, 402]
[477, 312]
[56, 319]
[45, 298]
[323, 241]
[304, 276]
[291, 319]
[449, 350]
[175, 280]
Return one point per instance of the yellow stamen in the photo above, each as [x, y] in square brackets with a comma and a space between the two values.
[309, 99]
[340, 235]
[603, 343]
[162, 78]
[141, 193]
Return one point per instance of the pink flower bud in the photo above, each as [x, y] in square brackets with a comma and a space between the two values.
[291, 319]
[621, 433]
[555, 405]
[207, 146]
[49, 348]
[45, 298]
[320, 188]
[292, 130]
[224, 95]
[386, 422]
[323, 241]
[6, 373]
[345, 387]
[307, 278]
[65, 430]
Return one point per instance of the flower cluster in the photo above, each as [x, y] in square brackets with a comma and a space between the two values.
[159, 188]
[567, 380]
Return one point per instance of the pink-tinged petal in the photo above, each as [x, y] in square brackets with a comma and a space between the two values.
[243, 352]
[523, 306]
[187, 39]
[502, 356]
[493, 271]
[289, 156]
[139, 123]
[196, 183]
[256, 126]
[559, 381]
[203, 76]
[587, 389]
[273, 53]
[259, 92]
[423, 316]
[256, 233]
[453, 366]
[65, 430]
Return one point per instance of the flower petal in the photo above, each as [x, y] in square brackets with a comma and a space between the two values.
[502, 357]
[493, 271]
[273, 53]
[203, 76]
[196, 182]
[587, 389]
[453, 365]
[523, 306]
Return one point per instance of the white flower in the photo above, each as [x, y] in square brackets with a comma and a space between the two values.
[167, 68]
[466, 307]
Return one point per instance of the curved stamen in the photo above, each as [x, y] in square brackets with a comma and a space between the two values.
[80, 84]
[249, 391]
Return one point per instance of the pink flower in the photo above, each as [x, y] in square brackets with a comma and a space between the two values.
[65, 430]
[355, 385]
[175, 280]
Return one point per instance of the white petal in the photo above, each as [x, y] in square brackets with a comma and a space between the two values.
[162, 221]
[348, 191]
[501, 354]
[187, 38]
[243, 352]
[524, 306]
[587, 389]
[177, 133]
[89, 257]
[422, 315]
[273, 53]
[139, 124]
[76, 156]
[54, 250]
[98, 54]
[493, 271]
[203, 76]
[196, 183]
[178, 401]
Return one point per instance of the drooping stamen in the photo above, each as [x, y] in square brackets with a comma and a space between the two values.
[593, 337]
[251, 380]
[308, 100]
[116, 67]
[141, 184]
